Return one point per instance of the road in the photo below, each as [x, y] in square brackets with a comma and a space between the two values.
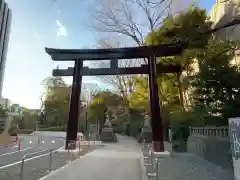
[29, 144]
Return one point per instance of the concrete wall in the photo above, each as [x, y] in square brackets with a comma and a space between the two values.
[214, 149]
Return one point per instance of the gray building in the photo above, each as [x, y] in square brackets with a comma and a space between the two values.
[5, 24]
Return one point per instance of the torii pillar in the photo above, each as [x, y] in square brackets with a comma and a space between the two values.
[156, 119]
[72, 127]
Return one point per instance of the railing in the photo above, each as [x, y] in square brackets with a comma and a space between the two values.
[73, 152]
[209, 131]
[30, 154]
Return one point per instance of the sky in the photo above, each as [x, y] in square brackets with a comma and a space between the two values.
[37, 24]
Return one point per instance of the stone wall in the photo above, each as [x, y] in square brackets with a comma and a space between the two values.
[214, 149]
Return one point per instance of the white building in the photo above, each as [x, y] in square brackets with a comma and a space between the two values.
[5, 24]
[223, 12]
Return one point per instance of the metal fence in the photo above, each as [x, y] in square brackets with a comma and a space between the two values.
[73, 152]
[209, 131]
[24, 160]
[37, 164]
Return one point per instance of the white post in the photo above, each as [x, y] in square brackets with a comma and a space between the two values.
[170, 134]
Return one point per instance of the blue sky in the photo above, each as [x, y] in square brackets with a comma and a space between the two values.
[45, 23]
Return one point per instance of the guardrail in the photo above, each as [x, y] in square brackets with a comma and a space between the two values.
[29, 154]
[73, 152]
[209, 131]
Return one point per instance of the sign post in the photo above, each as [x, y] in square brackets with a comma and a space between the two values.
[234, 135]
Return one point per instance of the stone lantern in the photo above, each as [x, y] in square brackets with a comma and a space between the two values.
[146, 130]
[107, 134]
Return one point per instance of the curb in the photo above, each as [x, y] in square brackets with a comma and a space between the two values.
[143, 169]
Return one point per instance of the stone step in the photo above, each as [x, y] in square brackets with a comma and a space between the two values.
[150, 169]
[151, 175]
[148, 164]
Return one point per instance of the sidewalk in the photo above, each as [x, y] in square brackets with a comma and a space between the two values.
[123, 161]
[120, 161]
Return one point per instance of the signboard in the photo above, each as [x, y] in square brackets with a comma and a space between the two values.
[234, 135]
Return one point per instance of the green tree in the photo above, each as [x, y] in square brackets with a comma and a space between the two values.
[185, 26]
[29, 119]
[102, 100]
[174, 88]
[215, 84]
[139, 97]
[3, 113]
[56, 102]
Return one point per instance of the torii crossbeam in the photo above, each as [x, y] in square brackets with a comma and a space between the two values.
[114, 54]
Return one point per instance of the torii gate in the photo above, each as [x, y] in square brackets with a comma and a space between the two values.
[114, 54]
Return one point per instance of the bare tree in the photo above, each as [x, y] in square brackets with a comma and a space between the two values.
[49, 85]
[132, 18]
[120, 83]
[129, 19]
[88, 90]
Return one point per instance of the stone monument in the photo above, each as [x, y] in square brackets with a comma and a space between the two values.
[146, 134]
[107, 134]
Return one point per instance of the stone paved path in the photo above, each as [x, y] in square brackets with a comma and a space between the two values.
[120, 161]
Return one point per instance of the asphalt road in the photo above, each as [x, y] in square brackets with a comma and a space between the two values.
[29, 144]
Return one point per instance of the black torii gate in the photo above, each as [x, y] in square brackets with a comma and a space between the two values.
[149, 52]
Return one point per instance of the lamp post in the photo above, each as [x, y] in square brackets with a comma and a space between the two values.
[86, 118]
[38, 119]
[97, 121]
